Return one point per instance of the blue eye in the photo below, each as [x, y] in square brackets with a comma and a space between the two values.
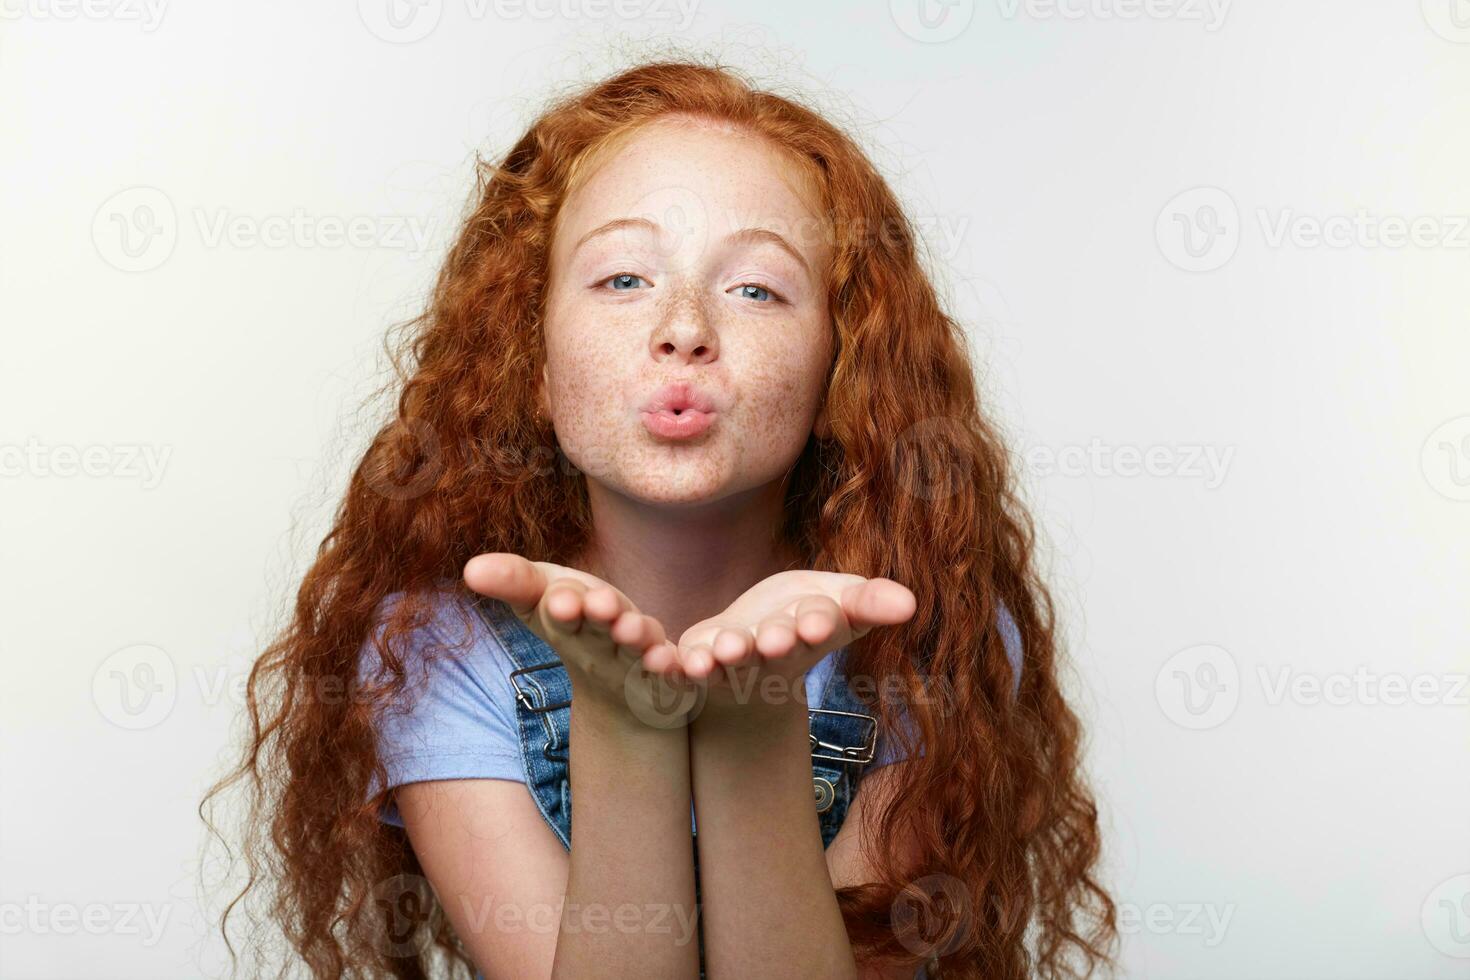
[624, 282]
[621, 278]
[758, 288]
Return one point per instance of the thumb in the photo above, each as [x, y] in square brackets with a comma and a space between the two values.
[501, 575]
[877, 602]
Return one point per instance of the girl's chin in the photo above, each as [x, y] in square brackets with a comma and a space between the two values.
[672, 486]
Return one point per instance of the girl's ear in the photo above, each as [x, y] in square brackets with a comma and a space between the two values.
[543, 408]
[822, 427]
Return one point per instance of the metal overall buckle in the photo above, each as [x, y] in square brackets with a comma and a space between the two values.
[862, 752]
[526, 703]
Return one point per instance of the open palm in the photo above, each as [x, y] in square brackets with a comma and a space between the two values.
[596, 631]
[782, 626]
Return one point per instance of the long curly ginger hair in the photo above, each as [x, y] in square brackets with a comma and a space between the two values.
[913, 483]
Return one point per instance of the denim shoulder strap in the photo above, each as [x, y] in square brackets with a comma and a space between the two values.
[844, 736]
[543, 695]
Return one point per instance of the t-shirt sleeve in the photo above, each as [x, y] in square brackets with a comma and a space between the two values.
[455, 717]
[888, 749]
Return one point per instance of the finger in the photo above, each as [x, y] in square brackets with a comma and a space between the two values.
[508, 577]
[603, 604]
[662, 658]
[637, 631]
[563, 603]
[697, 661]
[733, 647]
[776, 635]
[877, 602]
[817, 617]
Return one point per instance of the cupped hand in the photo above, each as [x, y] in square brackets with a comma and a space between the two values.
[782, 626]
[599, 635]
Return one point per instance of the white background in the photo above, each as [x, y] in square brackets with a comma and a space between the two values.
[1253, 830]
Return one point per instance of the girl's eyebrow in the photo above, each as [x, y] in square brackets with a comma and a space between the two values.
[742, 235]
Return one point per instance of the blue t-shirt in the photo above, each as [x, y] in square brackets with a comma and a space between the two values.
[460, 721]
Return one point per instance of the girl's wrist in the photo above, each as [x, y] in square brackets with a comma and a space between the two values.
[764, 700]
[615, 714]
[773, 719]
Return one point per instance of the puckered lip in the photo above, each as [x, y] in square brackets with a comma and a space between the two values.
[678, 397]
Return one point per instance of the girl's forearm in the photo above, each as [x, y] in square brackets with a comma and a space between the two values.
[769, 905]
[629, 908]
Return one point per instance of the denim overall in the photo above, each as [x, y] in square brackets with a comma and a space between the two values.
[843, 734]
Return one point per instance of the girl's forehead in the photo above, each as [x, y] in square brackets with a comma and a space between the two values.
[693, 172]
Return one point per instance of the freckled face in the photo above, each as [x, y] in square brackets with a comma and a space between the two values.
[687, 292]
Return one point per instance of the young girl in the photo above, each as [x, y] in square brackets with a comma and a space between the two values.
[683, 620]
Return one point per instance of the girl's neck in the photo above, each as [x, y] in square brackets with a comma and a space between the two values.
[685, 564]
